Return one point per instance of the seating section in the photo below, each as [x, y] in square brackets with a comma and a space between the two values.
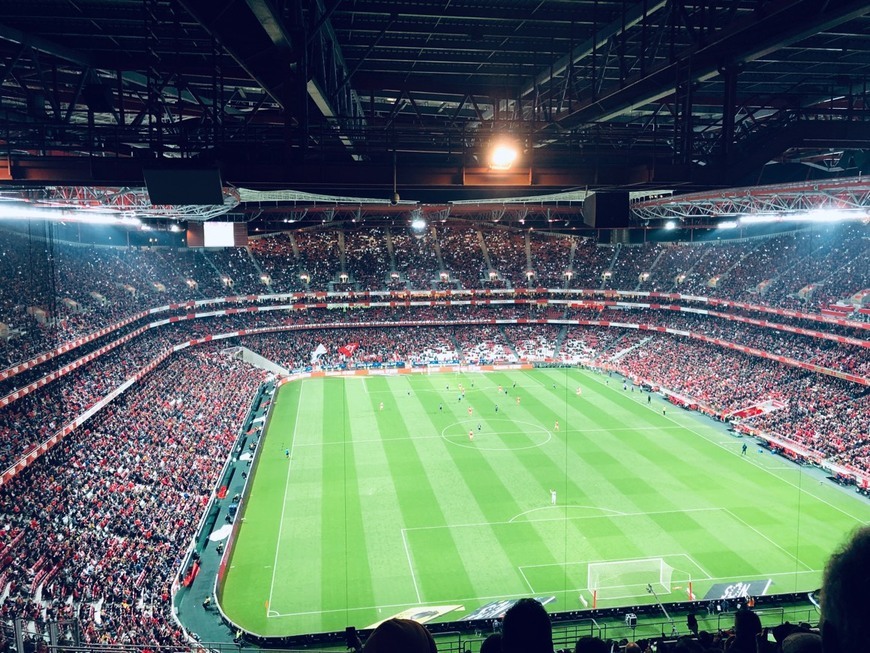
[98, 521]
[47, 300]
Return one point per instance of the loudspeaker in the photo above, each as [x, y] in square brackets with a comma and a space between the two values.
[607, 210]
[182, 183]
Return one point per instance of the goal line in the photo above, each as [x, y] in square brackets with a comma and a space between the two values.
[615, 579]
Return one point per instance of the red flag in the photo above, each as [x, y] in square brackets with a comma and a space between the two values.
[348, 349]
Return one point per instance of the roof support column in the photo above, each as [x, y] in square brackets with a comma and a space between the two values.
[729, 108]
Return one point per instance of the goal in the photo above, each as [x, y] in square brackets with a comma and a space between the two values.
[624, 578]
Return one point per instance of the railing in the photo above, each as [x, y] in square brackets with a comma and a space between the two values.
[565, 634]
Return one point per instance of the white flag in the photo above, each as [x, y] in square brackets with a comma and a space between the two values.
[317, 353]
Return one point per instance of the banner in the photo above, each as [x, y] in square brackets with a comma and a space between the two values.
[317, 353]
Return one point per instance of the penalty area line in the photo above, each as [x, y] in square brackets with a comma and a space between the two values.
[411, 566]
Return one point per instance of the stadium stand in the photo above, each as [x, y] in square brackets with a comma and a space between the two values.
[109, 509]
[86, 287]
[120, 476]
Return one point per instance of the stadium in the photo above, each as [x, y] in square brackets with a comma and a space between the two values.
[289, 348]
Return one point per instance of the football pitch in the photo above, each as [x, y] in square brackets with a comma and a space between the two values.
[396, 497]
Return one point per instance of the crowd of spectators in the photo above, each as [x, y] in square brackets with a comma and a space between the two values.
[108, 512]
[844, 357]
[55, 291]
[277, 258]
[632, 261]
[416, 257]
[583, 344]
[534, 343]
[484, 344]
[368, 258]
[38, 415]
[417, 345]
[824, 414]
[723, 379]
[832, 419]
[319, 257]
[87, 287]
[589, 265]
[201, 279]
[462, 255]
[507, 254]
[420, 345]
[551, 259]
[236, 267]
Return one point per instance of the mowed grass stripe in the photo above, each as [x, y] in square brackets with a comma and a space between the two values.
[539, 491]
[783, 524]
[418, 503]
[448, 469]
[378, 503]
[344, 563]
[473, 482]
[249, 581]
[303, 526]
[681, 482]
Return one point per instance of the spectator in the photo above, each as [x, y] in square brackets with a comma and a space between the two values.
[491, 644]
[845, 601]
[527, 628]
[589, 644]
[747, 628]
[400, 636]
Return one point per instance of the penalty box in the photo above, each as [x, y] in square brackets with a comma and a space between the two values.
[618, 579]
[489, 550]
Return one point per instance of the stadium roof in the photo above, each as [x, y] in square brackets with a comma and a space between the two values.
[366, 98]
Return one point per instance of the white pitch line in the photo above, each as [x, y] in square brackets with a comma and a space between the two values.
[523, 574]
[524, 594]
[778, 546]
[561, 509]
[568, 563]
[411, 566]
[526, 512]
[286, 487]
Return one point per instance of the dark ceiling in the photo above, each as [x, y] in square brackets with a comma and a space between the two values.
[349, 96]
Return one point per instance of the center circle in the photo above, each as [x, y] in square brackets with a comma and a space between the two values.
[495, 439]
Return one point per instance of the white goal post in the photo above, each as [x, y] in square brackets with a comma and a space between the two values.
[618, 578]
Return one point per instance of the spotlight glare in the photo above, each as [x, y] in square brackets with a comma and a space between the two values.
[670, 225]
[418, 224]
[822, 215]
[503, 156]
[728, 224]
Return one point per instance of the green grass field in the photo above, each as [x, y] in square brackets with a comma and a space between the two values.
[382, 510]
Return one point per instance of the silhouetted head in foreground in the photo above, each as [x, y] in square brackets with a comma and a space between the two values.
[845, 597]
[400, 636]
[527, 628]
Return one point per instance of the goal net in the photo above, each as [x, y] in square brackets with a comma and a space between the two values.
[623, 578]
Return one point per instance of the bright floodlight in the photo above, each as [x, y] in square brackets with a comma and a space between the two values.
[670, 224]
[728, 224]
[813, 215]
[418, 224]
[503, 156]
